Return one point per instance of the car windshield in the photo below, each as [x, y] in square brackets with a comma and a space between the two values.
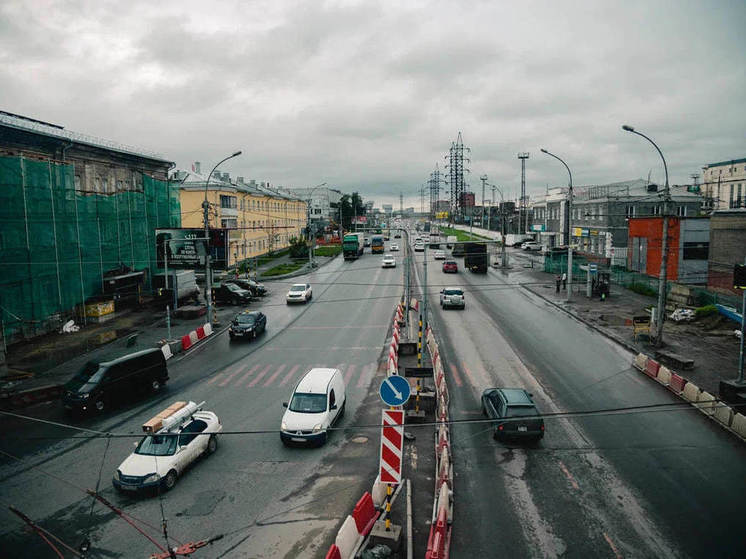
[157, 445]
[91, 373]
[298, 288]
[308, 403]
[232, 287]
[452, 292]
[246, 319]
[449, 263]
[521, 411]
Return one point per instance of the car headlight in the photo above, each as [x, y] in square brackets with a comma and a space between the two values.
[152, 478]
[317, 427]
[284, 426]
[85, 395]
[117, 474]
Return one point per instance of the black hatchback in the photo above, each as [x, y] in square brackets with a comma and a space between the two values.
[248, 324]
[514, 412]
[256, 289]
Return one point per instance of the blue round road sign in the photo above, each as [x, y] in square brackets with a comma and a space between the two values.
[394, 390]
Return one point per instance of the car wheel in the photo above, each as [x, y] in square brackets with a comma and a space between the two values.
[155, 385]
[212, 445]
[100, 405]
[170, 480]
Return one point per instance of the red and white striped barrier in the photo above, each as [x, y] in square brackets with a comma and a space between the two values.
[194, 336]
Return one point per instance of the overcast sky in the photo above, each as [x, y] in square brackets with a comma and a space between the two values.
[368, 96]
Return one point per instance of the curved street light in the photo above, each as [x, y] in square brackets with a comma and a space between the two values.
[311, 241]
[569, 222]
[503, 256]
[206, 219]
[663, 275]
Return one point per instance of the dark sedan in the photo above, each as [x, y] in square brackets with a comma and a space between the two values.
[514, 412]
[256, 289]
[248, 324]
[231, 293]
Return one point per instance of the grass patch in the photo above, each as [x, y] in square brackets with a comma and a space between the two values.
[707, 310]
[460, 235]
[332, 250]
[283, 269]
[642, 289]
[272, 256]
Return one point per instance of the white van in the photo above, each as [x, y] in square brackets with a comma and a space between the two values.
[317, 402]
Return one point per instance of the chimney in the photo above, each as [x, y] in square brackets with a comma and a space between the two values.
[652, 188]
[239, 180]
[197, 165]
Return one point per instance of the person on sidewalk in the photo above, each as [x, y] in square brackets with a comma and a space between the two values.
[564, 281]
[558, 282]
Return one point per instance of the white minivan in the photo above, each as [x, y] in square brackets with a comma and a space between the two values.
[317, 402]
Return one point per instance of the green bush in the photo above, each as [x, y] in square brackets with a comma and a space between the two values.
[707, 310]
[642, 289]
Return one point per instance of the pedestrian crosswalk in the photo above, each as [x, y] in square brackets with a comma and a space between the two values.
[266, 375]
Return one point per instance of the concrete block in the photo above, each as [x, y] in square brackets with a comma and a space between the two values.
[390, 538]
[416, 416]
[706, 403]
[724, 414]
[664, 375]
[739, 424]
[691, 392]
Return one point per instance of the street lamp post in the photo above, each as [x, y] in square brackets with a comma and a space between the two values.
[569, 223]
[311, 238]
[503, 256]
[663, 275]
[206, 218]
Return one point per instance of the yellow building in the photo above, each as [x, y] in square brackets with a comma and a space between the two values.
[260, 220]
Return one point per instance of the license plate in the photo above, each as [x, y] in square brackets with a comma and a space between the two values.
[523, 429]
[129, 488]
[298, 439]
[238, 333]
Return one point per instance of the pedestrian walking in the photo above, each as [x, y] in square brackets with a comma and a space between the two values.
[558, 282]
[564, 281]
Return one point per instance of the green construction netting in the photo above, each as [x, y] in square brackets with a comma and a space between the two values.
[56, 243]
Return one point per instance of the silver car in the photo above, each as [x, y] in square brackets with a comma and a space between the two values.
[452, 297]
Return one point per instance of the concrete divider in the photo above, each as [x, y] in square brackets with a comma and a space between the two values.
[677, 383]
[640, 361]
[664, 375]
[691, 392]
[444, 501]
[706, 403]
[739, 424]
[186, 342]
[200, 332]
[347, 537]
[208, 329]
[651, 368]
[193, 337]
[724, 414]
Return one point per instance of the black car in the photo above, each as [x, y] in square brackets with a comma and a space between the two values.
[101, 382]
[231, 293]
[248, 324]
[514, 412]
[256, 289]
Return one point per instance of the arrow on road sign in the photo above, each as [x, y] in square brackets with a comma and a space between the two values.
[395, 390]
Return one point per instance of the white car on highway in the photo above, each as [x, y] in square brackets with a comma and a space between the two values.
[452, 297]
[531, 245]
[419, 247]
[439, 255]
[394, 248]
[299, 293]
[176, 437]
[388, 261]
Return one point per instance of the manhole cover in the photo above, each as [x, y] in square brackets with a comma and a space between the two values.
[360, 439]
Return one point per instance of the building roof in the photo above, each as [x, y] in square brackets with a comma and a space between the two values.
[196, 181]
[33, 126]
[729, 162]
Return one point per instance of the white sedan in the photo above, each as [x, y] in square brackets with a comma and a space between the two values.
[388, 261]
[394, 248]
[299, 293]
[161, 457]
[439, 255]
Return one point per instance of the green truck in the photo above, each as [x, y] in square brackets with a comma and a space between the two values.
[352, 245]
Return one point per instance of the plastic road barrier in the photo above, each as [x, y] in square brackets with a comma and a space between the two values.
[664, 376]
[706, 403]
[677, 383]
[724, 415]
[651, 368]
[640, 361]
[691, 392]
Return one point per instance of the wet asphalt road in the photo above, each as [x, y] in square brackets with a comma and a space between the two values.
[267, 500]
[663, 484]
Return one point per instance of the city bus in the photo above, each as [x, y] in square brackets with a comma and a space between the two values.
[376, 244]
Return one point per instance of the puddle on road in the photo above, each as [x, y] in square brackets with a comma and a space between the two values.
[204, 503]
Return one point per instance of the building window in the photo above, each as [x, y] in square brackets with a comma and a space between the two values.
[227, 201]
[696, 251]
[739, 200]
[681, 211]
[630, 210]
[656, 210]
[229, 223]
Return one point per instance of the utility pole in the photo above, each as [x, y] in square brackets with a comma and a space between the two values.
[424, 290]
[522, 204]
[569, 225]
[483, 178]
[663, 276]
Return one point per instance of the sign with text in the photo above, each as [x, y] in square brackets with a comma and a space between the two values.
[186, 248]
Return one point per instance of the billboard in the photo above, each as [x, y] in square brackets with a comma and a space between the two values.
[186, 248]
[360, 219]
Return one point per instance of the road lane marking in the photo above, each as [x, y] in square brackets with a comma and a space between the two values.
[247, 374]
[364, 374]
[315, 348]
[569, 475]
[612, 546]
[229, 377]
[349, 373]
[271, 379]
[468, 374]
[349, 327]
[258, 377]
[290, 374]
[456, 376]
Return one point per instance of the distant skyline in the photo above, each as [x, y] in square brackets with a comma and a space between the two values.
[368, 96]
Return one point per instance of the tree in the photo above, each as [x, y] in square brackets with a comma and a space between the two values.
[351, 206]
